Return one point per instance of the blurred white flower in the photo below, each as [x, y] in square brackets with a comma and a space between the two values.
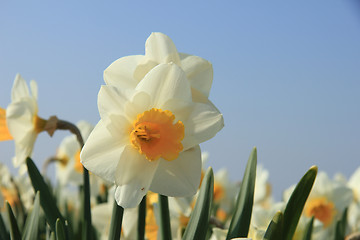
[22, 120]
[147, 138]
[69, 168]
[128, 71]
[326, 202]
[262, 195]
[354, 208]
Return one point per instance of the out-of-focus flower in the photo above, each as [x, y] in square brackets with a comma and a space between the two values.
[128, 71]
[22, 120]
[326, 202]
[147, 138]
[101, 219]
[262, 195]
[69, 168]
[354, 208]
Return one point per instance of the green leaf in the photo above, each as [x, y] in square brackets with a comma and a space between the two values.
[295, 205]
[164, 225]
[308, 229]
[240, 223]
[52, 236]
[116, 222]
[275, 228]
[141, 219]
[47, 201]
[60, 232]
[341, 226]
[32, 222]
[14, 228]
[4, 234]
[199, 220]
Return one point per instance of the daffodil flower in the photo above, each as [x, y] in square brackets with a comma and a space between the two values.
[68, 167]
[22, 122]
[128, 71]
[148, 137]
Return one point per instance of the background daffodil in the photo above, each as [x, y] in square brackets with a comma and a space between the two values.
[148, 137]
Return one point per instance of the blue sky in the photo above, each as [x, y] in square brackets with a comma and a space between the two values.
[286, 74]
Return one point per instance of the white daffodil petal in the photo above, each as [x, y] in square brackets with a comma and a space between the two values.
[165, 82]
[133, 177]
[134, 169]
[111, 100]
[199, 72]
[203, 124]
[180, 109]
[161, 49]
[140, 103]
[19, 89]
[20, 118]
[101, 153]
[180, 177]
[34, 89]
[120, 73]
[119, 127]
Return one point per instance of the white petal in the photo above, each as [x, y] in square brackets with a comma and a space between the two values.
[85, 129]
[101, 153]
[139, 103]
[111, 100]
[134, 174]
[180, 177]
[20, 119]
[19, 89]
[199, 72]
[34, 89]
[165, 82]
[203, 124]
[161, 49]
[119, 127]
[121, 72]
[144, 66]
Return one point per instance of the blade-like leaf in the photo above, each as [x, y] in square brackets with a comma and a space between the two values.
[141, 219]
[60, 232]
[308, 229]
[14, 228]
[116, 222]
[47, 201]
[32, 222]
[87, 227]
[4, 234]
[341, 226]
[240, 223]
[164, 225]
[295, 205]
[275, 228]
[199, 220]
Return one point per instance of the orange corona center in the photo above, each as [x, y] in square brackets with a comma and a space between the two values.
[155, 135]
[321, 209]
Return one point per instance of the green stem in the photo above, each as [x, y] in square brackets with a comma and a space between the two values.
[165, 228]
[141, 219]
[116, 222]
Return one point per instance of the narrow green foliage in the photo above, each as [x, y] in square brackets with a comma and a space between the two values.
[308, 229]
[198, 225]
[240, 223]
[275, 228]
[32, 222]
[165, 227]
[341, 226]
[4, 234]
[141, 219]
[116, 222]
[47, 201]
[52, 236]
[14, 228]
[87, 227]
[60, 232]
[296, 203]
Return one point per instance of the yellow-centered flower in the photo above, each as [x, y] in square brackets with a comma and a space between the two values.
[148, 137]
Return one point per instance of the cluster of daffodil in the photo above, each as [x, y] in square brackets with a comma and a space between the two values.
[139, 173]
